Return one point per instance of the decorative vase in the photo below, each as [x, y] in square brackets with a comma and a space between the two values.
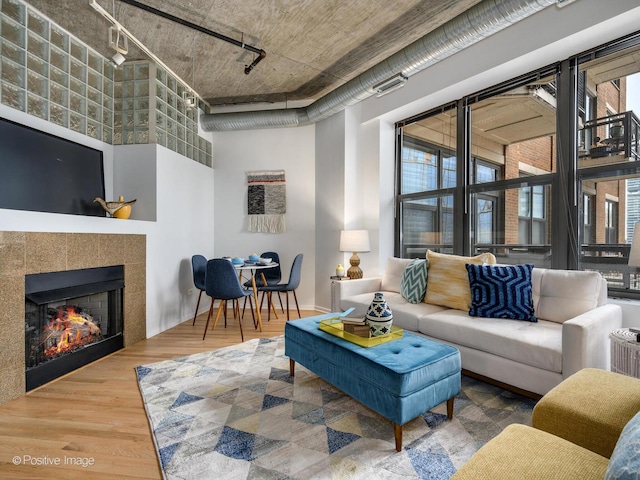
[339, 270]
[123, 212]
[379, 316]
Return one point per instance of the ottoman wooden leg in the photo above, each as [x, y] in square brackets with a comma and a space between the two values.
[450, 408]
[292, 366]
[397, 432]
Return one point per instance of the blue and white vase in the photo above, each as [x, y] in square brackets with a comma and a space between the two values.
[379, 316]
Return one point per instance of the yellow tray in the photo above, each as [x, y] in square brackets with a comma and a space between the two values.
[334, 326]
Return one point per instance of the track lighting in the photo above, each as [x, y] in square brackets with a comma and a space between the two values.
[120, 46]
[119, 38]
[189, 99]
[114, 40]
[117, 59]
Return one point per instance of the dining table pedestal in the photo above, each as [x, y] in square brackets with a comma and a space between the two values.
[253, 268]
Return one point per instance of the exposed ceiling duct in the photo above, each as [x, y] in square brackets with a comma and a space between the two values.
[480, 21]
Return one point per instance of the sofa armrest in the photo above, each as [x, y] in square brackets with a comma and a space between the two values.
[349, 288]
[585, 339]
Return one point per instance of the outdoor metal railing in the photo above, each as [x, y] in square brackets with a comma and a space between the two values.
[618, 134]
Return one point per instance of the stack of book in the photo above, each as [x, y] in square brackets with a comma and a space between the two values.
[355, 326]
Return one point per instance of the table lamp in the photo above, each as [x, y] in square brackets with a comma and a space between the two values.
[354, 241]
[634, 251]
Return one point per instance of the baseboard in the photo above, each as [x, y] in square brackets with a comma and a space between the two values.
[505, 386]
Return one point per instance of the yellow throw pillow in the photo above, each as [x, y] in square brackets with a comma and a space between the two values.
[448, 283]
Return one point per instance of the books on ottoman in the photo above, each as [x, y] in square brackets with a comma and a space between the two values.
[359, 330]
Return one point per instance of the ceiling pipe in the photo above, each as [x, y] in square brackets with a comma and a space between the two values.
[480, 21]
[247, 69]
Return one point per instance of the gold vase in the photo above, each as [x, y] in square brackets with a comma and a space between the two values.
[123, 212]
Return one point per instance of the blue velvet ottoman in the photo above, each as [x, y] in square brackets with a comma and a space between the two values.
[400, 379]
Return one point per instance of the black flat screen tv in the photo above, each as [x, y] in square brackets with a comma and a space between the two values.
[44, 173]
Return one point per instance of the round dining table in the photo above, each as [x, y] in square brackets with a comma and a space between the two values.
[254, 268]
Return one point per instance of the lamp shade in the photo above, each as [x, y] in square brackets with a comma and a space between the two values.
[634, 253]
[354, 241]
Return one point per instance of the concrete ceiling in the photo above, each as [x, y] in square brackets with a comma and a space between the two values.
[312, 46]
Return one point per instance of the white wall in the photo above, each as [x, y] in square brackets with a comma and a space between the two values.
[184, 209]
[331, 192]
[184, 227]
[288, 149]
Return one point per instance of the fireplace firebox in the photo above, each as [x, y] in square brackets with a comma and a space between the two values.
[71, 319]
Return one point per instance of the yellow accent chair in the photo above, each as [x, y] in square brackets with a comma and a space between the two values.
[587, 427]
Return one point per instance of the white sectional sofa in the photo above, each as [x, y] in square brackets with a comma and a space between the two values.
[572, 331]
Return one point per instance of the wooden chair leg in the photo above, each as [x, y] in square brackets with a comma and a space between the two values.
[270, 306]
[262, 300]
[244, 306]
[240, 322]
[286, 294]
[207, 324]
[197, 306]
[297, 307]
[253, 315]
[281, 304]
[220, 308]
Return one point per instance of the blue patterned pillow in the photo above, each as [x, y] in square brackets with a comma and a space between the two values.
[501, 291]
[413, 284]
[625, 459]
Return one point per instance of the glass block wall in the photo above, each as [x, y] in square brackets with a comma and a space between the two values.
[47, 72]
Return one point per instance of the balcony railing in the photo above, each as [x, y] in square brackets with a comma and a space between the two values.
[611, 260]
[615, 135]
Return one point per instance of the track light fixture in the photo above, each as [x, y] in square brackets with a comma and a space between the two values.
[189, 99]
[119, 42]
[117, 59]
[119, 31]
[115, 40]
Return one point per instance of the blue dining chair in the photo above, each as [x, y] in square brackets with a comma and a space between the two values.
[199, 266]
[271, 275]
[222, 283]
[290, 286]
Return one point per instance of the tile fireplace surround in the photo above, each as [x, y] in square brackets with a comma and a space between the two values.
[23, 253]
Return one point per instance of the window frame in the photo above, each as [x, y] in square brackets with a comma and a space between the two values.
[566, 181]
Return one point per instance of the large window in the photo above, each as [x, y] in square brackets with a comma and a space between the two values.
[548, 171]
[429, 172]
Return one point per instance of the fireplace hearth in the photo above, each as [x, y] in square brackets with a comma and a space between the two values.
[71, 319]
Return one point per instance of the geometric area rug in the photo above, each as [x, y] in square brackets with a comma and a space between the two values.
[235, 413]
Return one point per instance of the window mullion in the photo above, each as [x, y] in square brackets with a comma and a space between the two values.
[564, 223]
[462, 240]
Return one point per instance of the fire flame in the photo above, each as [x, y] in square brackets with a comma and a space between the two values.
[68, 330]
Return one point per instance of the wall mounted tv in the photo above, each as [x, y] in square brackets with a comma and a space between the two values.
[44, 173]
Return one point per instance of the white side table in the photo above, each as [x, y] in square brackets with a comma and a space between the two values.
[625, 352]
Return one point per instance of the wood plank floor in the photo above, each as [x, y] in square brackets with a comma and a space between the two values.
[91, 423]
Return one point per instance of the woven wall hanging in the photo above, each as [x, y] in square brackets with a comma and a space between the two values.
[267, 201]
